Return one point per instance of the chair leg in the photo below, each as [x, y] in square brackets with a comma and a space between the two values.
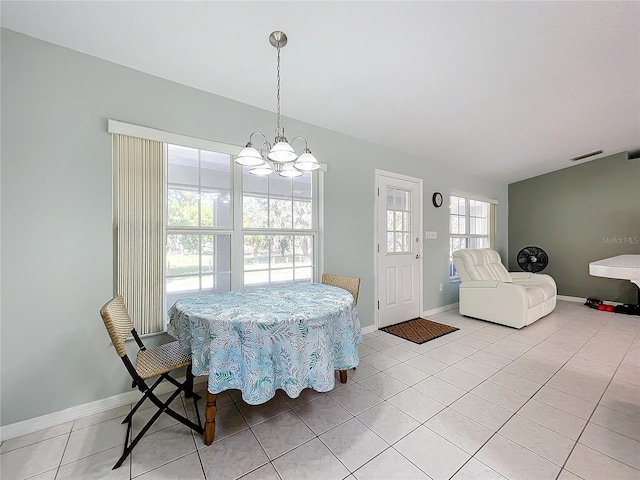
[188, 384]
[162, 408]
[141, 401]
[129, 447]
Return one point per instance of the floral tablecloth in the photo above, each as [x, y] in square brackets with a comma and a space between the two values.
[290, 337]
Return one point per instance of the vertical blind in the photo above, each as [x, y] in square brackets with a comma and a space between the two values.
[139, 222]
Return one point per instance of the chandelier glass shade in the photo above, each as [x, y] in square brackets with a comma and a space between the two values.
[279, 157]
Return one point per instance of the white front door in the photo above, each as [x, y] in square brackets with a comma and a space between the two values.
[399, 247]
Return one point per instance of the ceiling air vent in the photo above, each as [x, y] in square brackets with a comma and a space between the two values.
[632, 155]
[586, 155]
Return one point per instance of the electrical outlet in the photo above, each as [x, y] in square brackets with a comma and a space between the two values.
[441, 287]
[430, 235]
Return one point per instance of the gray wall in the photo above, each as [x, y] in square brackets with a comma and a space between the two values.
[584, 213]
[56, 210]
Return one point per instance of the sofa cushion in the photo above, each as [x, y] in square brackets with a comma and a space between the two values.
[480, 264]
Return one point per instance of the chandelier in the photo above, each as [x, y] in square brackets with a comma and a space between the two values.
[281, 157]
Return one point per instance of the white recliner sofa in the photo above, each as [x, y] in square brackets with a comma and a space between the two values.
[489, 292]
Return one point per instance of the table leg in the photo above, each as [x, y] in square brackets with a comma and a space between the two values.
[343, 376]
[188, 384]
[210, 418]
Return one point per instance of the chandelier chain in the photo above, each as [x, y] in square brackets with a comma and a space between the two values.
[278, 96]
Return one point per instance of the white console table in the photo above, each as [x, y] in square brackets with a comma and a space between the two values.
[625, 267]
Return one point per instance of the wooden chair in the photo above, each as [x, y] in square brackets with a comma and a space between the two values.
[350, 284]
[154, 362]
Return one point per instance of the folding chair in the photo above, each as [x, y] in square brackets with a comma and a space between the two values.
[158, 361]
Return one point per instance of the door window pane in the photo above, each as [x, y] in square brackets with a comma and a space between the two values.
[399, 228]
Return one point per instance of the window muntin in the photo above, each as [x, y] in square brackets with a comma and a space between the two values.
[199, 222]
[470, 226]
[198, 262]
[399, 228]
[198, 188]
[279, 229]
[278, 258]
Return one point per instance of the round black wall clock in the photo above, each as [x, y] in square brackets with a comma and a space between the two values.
[437, 199]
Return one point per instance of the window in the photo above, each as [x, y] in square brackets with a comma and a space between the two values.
[278, 229]
[471, 225]
[189, 221]
[199, 222]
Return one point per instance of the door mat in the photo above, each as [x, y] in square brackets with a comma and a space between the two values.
[419, 330]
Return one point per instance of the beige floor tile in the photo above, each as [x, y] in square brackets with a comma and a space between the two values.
[501, 396]
[476, 470]
[383, 385]
[266, 472]
[353, 443]
[406, 374]
[281, 434]
[590, 464]
[459, 378]
[554, 419]
[390, 465]
[233, 457]
[94, 439]
[185, 468]
[388, 422]
[620, 447]
[516, 462]
[161, 447]
[35, 437]
[99, 466]
[322, 414]
[355, 398]
[441, 466]
[565, 402]
[541, 440]
[460, 430]
[33, 459]
[417, 405]
[617, 421]
[482, 411]
[306, 461]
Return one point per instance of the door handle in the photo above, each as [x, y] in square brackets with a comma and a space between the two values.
[417, 256]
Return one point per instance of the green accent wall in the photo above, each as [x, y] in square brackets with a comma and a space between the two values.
[587, 212]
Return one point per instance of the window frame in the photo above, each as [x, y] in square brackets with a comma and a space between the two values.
[235, 230]
[314, 231]
[198, 230]
[468, 236]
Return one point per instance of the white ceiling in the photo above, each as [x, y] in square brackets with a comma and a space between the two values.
[506, 89]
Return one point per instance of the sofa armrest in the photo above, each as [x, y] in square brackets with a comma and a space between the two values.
[480, 284]
[534, 279]
[520, 275]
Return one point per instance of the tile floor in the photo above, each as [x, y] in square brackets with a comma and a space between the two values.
[559, 399]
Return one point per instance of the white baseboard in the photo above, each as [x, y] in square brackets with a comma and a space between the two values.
[444, 308]
[74, 413]
[425, 314]
[570, 299]
[369, 329]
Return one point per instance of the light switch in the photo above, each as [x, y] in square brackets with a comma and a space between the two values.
[431, 235]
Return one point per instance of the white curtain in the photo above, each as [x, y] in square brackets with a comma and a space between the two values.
[140, 235]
